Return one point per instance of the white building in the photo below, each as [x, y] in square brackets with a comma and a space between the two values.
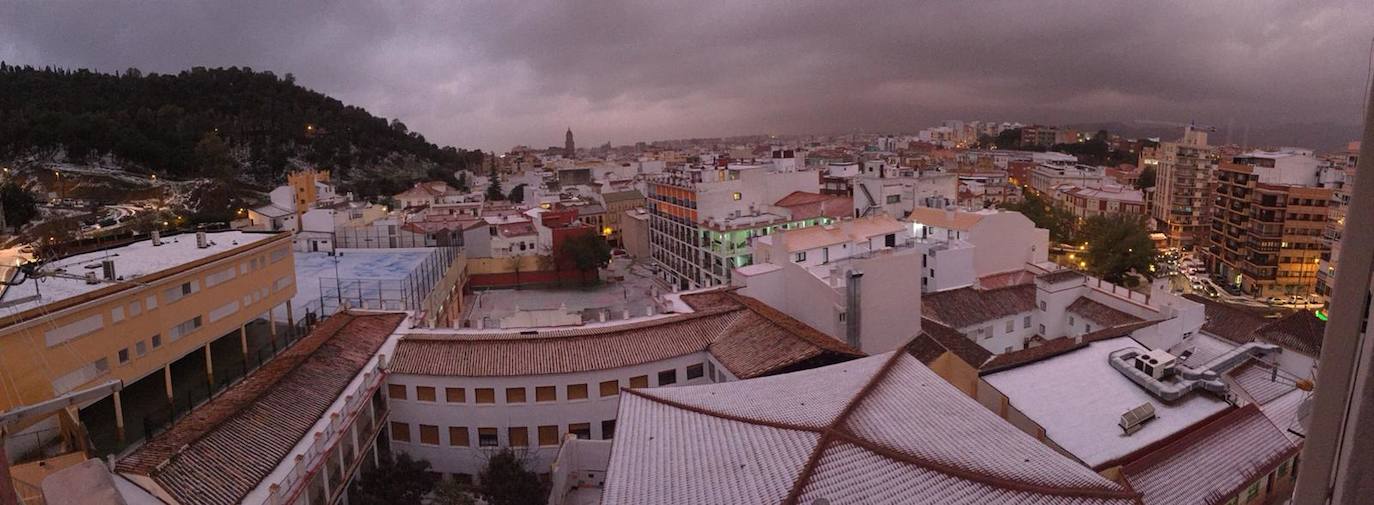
[853, 279]
[963, 247]
[1045, 177]
[897, 190]
[456, 395]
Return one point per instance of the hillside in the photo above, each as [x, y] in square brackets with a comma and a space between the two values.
[227, 124]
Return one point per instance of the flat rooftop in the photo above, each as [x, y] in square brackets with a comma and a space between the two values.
[1078, 398]
[131, 261]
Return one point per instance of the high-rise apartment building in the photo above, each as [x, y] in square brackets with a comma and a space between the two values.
[702, 220]
[1267, 223]
[1344, 165]
[1182, 200]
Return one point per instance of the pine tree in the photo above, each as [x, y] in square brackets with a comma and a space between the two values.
[494, 187]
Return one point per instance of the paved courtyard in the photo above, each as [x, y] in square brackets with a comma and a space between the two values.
[629, 287]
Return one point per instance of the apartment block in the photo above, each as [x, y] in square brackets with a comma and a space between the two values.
[1269, 216]
[853, 280]
[702, 220]
[164, 322]
[1344, 164]
[1182, 196]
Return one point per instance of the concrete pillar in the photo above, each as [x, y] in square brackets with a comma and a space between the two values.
[119, 418]
[209, 366]
[290, 320]
[243, 341]
[167, 381]
[272, 321]
[8, 496]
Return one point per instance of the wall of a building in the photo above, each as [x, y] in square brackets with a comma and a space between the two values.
[531, 414]
[33, 367]
[1006, 242]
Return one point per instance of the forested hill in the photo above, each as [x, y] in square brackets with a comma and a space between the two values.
[231, 123]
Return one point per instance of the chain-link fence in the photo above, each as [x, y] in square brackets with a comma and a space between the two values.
[406, 293]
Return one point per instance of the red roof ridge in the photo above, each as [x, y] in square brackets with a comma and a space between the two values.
[1158, 454]
[836, 431]
[794, 326]
[569, 333]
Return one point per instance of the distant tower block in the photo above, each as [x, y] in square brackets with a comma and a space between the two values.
[568, 146]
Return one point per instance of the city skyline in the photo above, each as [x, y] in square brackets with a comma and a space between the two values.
[495, 76]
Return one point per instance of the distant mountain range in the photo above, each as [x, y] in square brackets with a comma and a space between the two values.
[1322, 137]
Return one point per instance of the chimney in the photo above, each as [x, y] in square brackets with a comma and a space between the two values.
[852, 308]
[108, 268]
[201, 241]
[157, 238]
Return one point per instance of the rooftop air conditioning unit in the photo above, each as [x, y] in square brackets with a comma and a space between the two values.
[157, 238]
[1157, 363]
[1133, 420]
[202, 241]
[91, 278]
[108, 269]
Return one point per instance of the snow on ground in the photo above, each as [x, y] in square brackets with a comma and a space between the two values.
[389, 266]
[1079, 398]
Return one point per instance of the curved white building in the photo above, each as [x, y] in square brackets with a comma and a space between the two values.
[457, 396]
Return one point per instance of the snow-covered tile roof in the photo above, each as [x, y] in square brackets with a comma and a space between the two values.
[1212, 462]
[131, 261]
[877, 430]
[1078, 398]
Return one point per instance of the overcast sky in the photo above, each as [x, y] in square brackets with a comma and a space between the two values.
[495, 74]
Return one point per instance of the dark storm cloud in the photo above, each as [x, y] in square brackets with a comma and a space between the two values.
[493, 74]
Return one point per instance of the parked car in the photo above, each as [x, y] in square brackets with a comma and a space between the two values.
[1274, 300]
[1314, 298]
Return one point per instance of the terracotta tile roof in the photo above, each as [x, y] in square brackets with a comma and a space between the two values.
[964, 307]
[1229, 322]
[1300, 331]
[520, 229]
[748, 337]
[804, 205]
[925, 349]
[1006, 279]
[941, 218]
[1212, 462]
[801, 198]
[1060, 276]
[936, 338]
[1057, 346]
[878, 430]
[1100, 313]
[225, 448]
[621, 196]
[1257, 381]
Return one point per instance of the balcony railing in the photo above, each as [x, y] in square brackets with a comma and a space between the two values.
[304, 466]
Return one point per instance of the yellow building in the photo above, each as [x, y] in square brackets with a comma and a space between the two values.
[172, 320]
[617, 204]
[302, 184]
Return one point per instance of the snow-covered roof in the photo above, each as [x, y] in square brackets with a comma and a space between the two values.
[131, 261]
[1078, 398]
[272, 211]
[878, 430]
